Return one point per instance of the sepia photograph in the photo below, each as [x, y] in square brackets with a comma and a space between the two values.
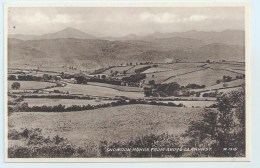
[126, 83]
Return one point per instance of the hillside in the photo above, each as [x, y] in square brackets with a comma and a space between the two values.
[65, 33]
[86, 53]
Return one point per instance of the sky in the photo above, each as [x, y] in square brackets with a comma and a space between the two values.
[120, 21]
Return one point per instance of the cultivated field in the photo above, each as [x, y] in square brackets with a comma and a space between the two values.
[92, 126]
[206, 77]
[168, 75]
[117, 87]
[96, 91]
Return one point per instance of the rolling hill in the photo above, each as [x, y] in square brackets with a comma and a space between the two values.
[75, 48]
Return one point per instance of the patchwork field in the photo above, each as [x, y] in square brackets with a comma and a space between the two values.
[206, 77]
[24, 85]
[153, 70]
[117, 87]
[132, 70]
[181, 65]
[67, 102]
[96, 91]
[111, 124]
[164, 76]
[227, 66]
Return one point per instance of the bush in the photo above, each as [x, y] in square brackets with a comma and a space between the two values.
[150, 143]
[39, 146]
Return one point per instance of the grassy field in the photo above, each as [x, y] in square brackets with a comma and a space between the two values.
[206, 77]
[158, 69]
[96, 91]
[228, 66]
[163, 76]
[67, 102]
[111, 124]
[117, 87]
[181, 65]
[119, 69]
[30, 85]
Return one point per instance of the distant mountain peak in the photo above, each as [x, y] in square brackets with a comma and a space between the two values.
[68, 32]
[71, 29]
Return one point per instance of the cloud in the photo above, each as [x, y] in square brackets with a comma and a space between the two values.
[197, 18]
[40, 18]
[159, 18]
[170, 18]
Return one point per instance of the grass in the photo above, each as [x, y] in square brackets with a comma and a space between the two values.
[163, 76]
[228, 66]
[152, 70]
[111, 124]
[181, 65]
[30, 85]
[96, 91]
[117, 87]
[206, 77]
[67, 102]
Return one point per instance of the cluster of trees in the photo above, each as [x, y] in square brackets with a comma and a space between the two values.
[63, 108]
[227, 78]
[67, 76]
[195, 86]
[39, 146]
[81, 79]
[145, 63]
[165, 89]
[134, 78]
[140, 101]
[139, 70]
[25, 78]
[210, 94]
[16, 85]
[240, 76]
[106, 80]
[45, 77]
[171, 89]
[223, 129]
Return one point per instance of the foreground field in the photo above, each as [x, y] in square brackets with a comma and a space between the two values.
[111, 124]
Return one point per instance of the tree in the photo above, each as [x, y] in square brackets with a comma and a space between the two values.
[124, 73]
[81, 79]
[116, 72]
[103, 76]
[11, 77]
[151, 82]
[221, 129]
[46, 77]
[16, 85]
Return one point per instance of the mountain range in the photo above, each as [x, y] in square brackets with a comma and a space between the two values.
[76, 48]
